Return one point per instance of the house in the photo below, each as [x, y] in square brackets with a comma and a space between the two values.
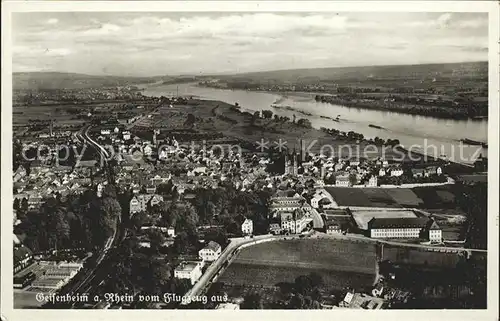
[417, 172]
[396, 172]
[19, 173]
[433, 170]
[434, 232]
[148, 150]
[190, 270]
[23, 257]
[25, 280]
[354, 162]
[105, 131]
[210, 252]
[170, 231]
[34, 201]
[378, 290]
[333, 229]
[323, 198]
[404, 227]
[342, 181]
[247, 227]
[373, 181]
[142, 202]
[381, 172]
[275, 228]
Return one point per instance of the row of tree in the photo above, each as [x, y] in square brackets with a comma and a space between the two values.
[76, 221]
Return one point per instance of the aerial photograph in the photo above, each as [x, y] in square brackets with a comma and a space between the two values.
[250, 160]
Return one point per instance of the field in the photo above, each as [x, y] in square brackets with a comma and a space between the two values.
[436, 197]
[432, 197]
[379, 197]
[59, 80]
[377, 75]
[340, 263]
[362, 197]
[405, 197]
[404, 255]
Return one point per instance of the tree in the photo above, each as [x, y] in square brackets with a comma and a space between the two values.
[267, 114]
[165, 188]
[297, 302]
[182, 243]
[303, 284]
[161, 275]
[304, 123]
[111, 211]
[190, 120]
[219, 236]
[157, 239]
[139, 219]
[316, 279]
[24, 205]
[353, 179]
[16, 204]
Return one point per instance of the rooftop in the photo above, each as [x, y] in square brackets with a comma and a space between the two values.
[187, 266]
[214, 246]
[399, 222]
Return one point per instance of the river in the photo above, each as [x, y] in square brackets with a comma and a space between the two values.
[430, 135]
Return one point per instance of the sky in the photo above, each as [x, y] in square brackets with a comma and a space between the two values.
[153, 44]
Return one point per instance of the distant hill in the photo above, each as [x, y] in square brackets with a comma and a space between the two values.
[58, 80]
[467, 70]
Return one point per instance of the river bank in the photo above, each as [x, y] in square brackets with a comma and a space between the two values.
[433, 136]
[411, 104]
[448, 112]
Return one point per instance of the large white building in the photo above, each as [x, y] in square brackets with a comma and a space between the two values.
[294, 222]
[190, 270]
[281, 201]
[407, 228]
[211, 252]
[342, 181]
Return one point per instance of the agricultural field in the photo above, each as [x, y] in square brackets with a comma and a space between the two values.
[405, 197]
[436, 197]
[405, 255]
[340, 263]
[379, 197]
[429, 197]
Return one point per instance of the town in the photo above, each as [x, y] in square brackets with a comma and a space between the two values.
[142, 196]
